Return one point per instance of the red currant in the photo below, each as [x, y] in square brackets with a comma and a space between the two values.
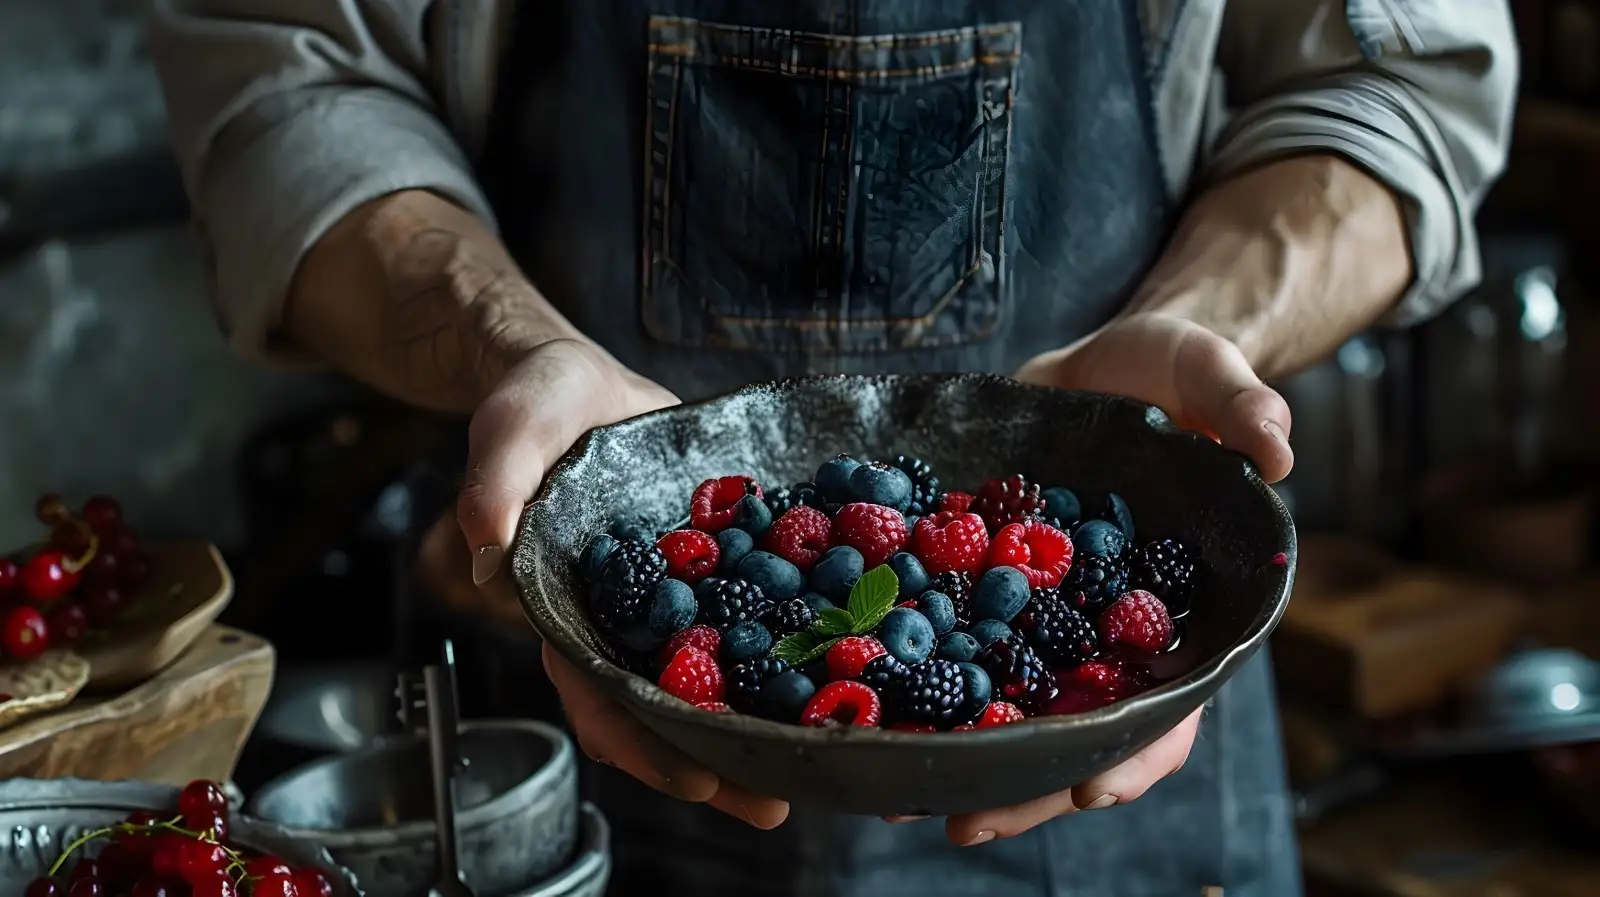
[86, 887]
[67, 622]
[102, 512]
[43, 887]
[201, 859]
[167, 857]
[70, 538]
[312, 883]
[103, 567]
[213, 822]
[120, 865]
[10, 577]
[103, 601]
[84, 868]
[133, 571]
[46, 577]
[153, 887]
[120, 540]
[24, 634]
[261, 867]
[50, 509]
[274, 886]
[202, 797]
[215, 886]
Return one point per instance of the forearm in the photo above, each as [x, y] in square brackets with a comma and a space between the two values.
[415, 297]
[1286, 261]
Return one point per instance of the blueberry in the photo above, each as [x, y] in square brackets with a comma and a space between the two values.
[817, 672]
[752, 515]
[633, 531]
[987, 632]
[1117, 512]
[777, 578]
[907, 635]
[673, 608]
[958, 646]
[1001, 594]
[913, 579]
[833, 477]
[1062, 504]
[939, 609]
[817, 602]
[837, 571]
[1100, 538]
[977, 692]
[880, 484]
[911, 522]
[746, 641]
[735, 544]
[785, 696]
[594, 557]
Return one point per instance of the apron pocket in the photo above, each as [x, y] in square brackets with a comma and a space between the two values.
[822, 193]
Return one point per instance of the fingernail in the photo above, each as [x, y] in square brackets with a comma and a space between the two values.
[979, 838]
[1275, 431]
[1101, 802]
[904, 818]
[486, 563]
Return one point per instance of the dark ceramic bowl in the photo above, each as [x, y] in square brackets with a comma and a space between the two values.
[970, 428]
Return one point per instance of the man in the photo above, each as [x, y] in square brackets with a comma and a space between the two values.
[689, 195]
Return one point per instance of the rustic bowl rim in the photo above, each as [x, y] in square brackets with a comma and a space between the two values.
[644, 696]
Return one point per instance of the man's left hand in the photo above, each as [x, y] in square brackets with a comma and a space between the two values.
[1204, 383]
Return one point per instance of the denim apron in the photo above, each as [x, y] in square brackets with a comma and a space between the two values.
[723, 191]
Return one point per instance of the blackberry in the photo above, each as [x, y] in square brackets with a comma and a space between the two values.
[627, 584]
[744, 681]
[729, 602]
[924, 485]
[788, 617]
[1167, 570]
[1020, 676]
[1059, 634]
[930, 692]
[789, 497]
[1011, 500]
[957, 585]
[1094, 582]
[884, 673]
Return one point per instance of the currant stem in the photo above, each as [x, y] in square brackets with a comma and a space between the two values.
[209, 835]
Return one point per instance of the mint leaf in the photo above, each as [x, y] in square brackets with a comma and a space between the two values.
[802, 648]
[873, 597]
[833, 621]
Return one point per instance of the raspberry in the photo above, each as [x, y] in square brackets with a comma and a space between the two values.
[931, 692]
[1060, 635]
[746, 680]
[800, 536]
[1165, 569]
[789, 617]
[951, 541]
[1094, 582]
[1019, 676]
[873, 530]
[1106, 677]
[693, 677]
[1011, 500]
[627, 584]
[924, 485]
[956, 502]
[1078, 701]
[918, 728]
[843, 704]
[850, 655]
[728, 602]
[711, 506]
[704, 637]
[691, 554]
[1139, 621]
[715, 707]
[999, 713]
[1042, 552]
[956, 586]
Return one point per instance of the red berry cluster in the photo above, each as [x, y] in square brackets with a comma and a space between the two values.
[186, 854]
[79, 578]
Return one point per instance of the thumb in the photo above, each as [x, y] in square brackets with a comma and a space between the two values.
[1219, 392]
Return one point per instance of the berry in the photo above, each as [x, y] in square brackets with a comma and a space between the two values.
[67, 622]
[133, 571]
[752, 515]
[216, 886]
[628, 584]
[153, 887]
[1117, 512]
[691, 555]
[950, 541]
[1111, 677]
[711, 507]
[924, 485]
[837, 572]
[86, 887]
[165, 853]
[999, 713]
[1060, 634]
[1010, 500]
[913, 577]
[907, 635]
[880, 484]
[83, 868]
[729, 602]
[734, 544]
[1042, 552]
[1139, 621]
[274, 886]
[884, 674]
[747, 680]
[843, 703]
[816, 602]
[51, 510]
[1095, 582]
[745, 642]
[24, 634]
[202, 797]
[930, 692]
[47, 576]
[939, 609]
[103, 568]
[633, 531]
[957, 646]
[102, 601]
[781, 500]
[785, 696]
[849, 656]
[977, 691]
[260, 867]
[43, 887]
[987, 632]
[833, 478]
[777, 578]
[672, 609]
[956, 502]
[1099, 538]
[10, 581]
[789, 616]
[692, 677]
[102, 512]
[957, 586]
[1165, 569]
[703, 637]
[201, 859]
[1062, 506]
[800, 536]
[875, 531]
[1001, 594]
[216, 825]
[1019, 676]
[714, 707]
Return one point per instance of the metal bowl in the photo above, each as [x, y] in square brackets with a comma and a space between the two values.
[40, 817]
[329, 707]
[589, 873]
[517, 817]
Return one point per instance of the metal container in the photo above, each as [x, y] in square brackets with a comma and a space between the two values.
[40, 817]
[590, 871]
[517, 816]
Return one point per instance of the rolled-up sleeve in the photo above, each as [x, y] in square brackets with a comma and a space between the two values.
[1420, 93]
[286, 115]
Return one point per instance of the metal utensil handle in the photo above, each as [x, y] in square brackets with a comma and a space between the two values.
[443, 753]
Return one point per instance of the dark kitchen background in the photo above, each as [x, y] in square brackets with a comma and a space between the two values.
[1448, 607]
